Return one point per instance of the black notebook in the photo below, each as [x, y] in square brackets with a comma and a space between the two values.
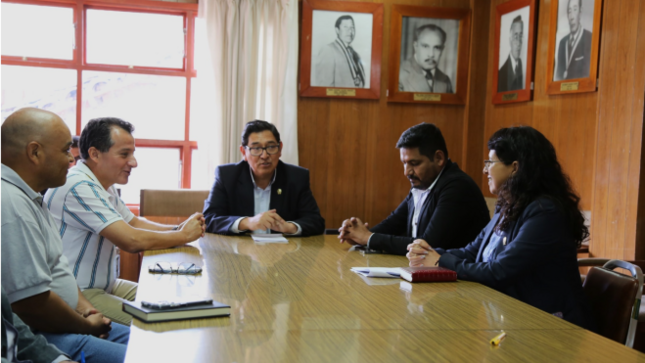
[147, 315]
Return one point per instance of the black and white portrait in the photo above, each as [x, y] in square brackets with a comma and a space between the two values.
[573, 39]
[341, 49]
[428, 55]
[513, 50]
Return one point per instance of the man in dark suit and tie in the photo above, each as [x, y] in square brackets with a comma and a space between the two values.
[444, 204]
[338, 64]
[574, 51]
[510, 75]
[420, 73]
[261, 193]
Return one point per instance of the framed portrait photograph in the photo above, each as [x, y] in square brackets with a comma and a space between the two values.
[429, 55]
[514, 51]
[574, 37]
[340, 53]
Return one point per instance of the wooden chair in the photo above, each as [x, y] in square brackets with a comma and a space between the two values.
[615, 299]
[175, 204]
[162, 206]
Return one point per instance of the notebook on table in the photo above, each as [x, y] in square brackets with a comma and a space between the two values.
[149, 315]
[428, 274]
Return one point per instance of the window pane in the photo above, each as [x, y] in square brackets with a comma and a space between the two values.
[200, 178]
[49, 89]
[155, 105]
[158, 168]
[160, 43]
[37, 31]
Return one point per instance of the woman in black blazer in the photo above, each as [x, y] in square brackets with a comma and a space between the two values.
[529, 248]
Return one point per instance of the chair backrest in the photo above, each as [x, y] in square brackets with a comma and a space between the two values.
[615, 299]
[171, 203]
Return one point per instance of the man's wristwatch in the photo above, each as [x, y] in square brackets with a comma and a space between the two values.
[176, 228]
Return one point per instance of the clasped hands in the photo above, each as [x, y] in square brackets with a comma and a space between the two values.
[267, 220]
[354, 232]
[100, 326]
[194, 227]
[421, 254]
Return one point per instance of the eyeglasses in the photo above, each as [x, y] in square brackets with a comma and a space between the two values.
[488, 163]
[257, 151]
[184, 268]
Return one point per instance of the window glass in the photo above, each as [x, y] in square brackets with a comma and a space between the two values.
[158, 168]
[37, 31]
[155, 105]
[49, 89]
[200, 178]
[118, 37]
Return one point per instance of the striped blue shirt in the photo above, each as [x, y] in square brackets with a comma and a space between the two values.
[82, 208]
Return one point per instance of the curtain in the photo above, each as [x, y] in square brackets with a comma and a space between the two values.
[249, 72]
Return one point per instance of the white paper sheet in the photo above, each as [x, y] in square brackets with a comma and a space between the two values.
[389, 272]
[269, 238]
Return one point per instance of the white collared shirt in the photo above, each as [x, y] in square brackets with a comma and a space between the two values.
[419, 197]
[262, 200]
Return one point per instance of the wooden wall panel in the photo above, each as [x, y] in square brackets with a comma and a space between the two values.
[618, 204]
[349, 145]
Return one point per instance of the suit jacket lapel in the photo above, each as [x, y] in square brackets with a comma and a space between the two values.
[410, 213]
[245, 198]
[489, 230]
[278, 200]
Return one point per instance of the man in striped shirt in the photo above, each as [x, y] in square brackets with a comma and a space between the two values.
[93, 220]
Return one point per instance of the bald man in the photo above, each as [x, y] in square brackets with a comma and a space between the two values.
[35, 275]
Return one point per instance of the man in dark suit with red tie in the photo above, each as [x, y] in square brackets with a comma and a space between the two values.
[510, 76]
[574, 51]
[338, 64]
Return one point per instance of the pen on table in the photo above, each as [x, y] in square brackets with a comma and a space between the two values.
[498, 339]
[82, 357]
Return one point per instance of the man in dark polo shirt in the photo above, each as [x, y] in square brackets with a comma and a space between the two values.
[444, 206]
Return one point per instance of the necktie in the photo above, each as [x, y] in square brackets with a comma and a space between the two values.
[359, 81]
[517, 83]
[430, 80]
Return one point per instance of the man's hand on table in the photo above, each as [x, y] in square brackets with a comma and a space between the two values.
[354, 232]
[267, 220]
[193, 227]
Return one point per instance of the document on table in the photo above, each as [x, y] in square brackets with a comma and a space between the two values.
[269, 238]
[389, 272]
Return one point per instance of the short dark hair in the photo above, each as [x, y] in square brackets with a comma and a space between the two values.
[75, 141]
[344, 17]
[258, 126]
[427, 137]
[97, 134]
[517, 19]
[431, 27]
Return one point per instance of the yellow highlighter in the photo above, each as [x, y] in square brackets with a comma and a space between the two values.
[498, 339]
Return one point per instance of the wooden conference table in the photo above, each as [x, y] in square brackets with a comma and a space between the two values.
[299, 302]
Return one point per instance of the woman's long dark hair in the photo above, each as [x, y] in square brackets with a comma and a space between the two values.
[539, 174]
